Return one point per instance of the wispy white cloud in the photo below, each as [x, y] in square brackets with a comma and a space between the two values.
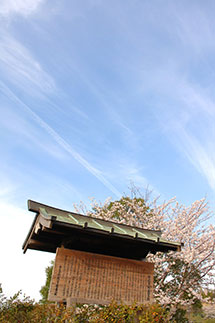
[129, 173]
[190, 126]
[22, 7]
[29, 134]
[19, 66]
[24, 71]
[59, 192]
[201, 156]
[107, 100]
[63, 144]
[185, 109]
[200, 153]
[197, 100]
[194, 27]
[183, 87]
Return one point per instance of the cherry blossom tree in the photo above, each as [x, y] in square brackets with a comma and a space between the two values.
[179, 276]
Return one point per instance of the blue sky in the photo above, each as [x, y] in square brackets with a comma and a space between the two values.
[95, 94]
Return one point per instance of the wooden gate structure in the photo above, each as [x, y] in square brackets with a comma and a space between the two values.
[96, 260]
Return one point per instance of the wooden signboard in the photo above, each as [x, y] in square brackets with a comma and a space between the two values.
[82, 277]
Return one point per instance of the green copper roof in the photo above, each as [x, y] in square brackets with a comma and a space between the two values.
[103, 225]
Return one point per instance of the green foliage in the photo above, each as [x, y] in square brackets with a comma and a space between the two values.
[127, 204]
[17, 309]
[154, 313]
[197, 307]
[112, 313]
[2, 297]
[180, 316]
[44, 291]
[22, 309]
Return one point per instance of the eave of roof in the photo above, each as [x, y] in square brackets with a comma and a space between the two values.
[52, 226]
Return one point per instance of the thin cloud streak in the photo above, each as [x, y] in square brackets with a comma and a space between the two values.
[18, 65]
[67, 147]
[189, 122]
[197, 154]
[22, 7]
[194, 98]
[99, 94]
